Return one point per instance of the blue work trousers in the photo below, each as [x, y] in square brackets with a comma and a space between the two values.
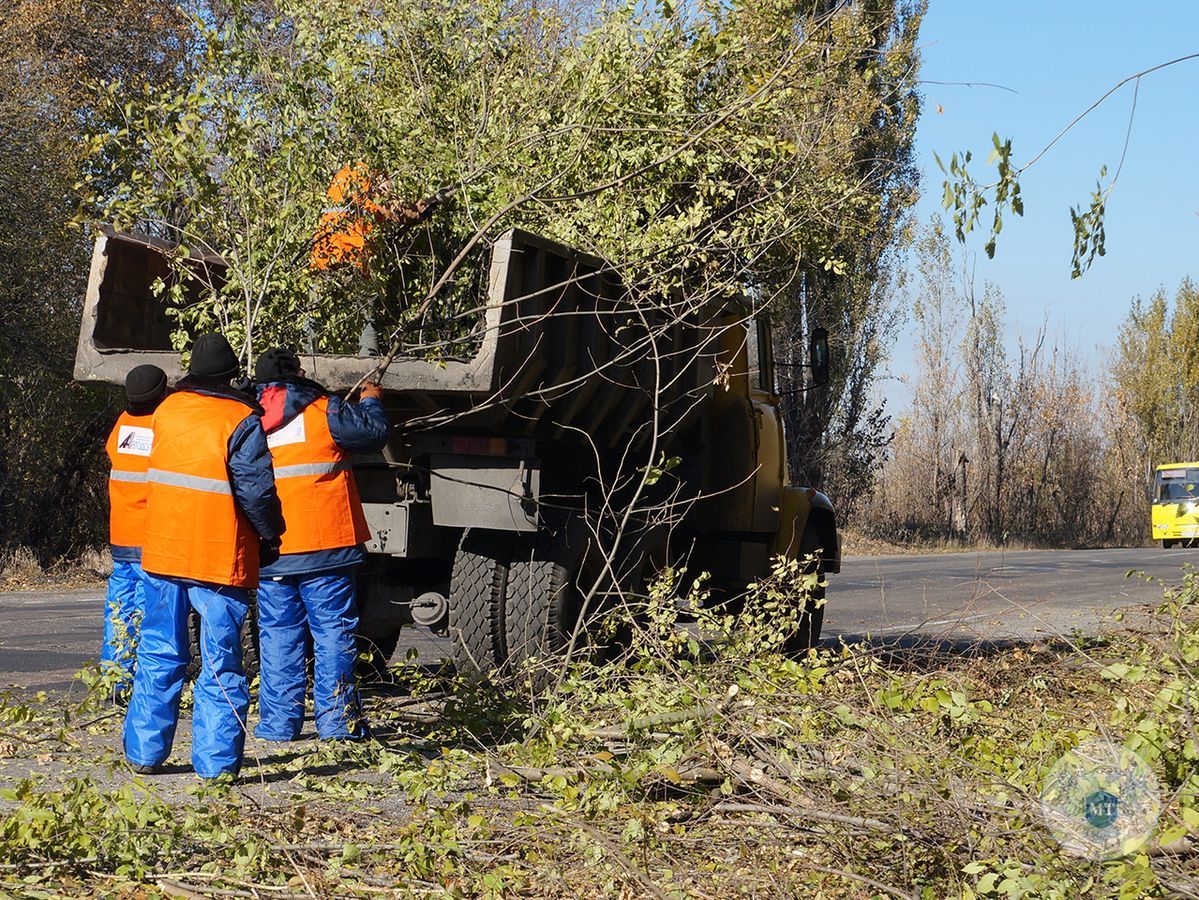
[323, 604]
[123, 608]
[222, 696]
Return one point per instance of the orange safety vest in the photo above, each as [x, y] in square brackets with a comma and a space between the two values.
[194, 528]
[129, 452]
[344, 233]
[315, 484]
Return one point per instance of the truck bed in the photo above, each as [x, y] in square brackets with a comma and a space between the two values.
[562, 347]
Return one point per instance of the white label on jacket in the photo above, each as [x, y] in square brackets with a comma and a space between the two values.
[291, 433]
[135, 440]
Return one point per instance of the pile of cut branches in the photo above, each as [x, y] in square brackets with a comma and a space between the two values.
[692, 768]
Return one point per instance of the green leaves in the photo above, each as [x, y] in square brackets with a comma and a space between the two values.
[654, 472]
[966, 197]
[689, 780]
[685, 153]
[1090, 236]
[1119, 671]
[116, 827]
[1156, 374]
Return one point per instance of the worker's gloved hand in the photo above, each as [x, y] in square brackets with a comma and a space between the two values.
[268, 551]
[370, 391]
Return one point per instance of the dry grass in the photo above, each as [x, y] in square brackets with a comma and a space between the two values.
[855, 542]
[858, 543]
[21, 570]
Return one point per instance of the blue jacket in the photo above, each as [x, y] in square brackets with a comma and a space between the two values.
[356, 428]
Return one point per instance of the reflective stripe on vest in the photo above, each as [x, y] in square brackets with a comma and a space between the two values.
[194, 529]
[316, 485]
[118, 475]
[301, 469]
[128, 450]
[191, 482]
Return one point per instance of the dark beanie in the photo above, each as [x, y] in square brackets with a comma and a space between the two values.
[145, 383]
[276, 364]
[212, 357]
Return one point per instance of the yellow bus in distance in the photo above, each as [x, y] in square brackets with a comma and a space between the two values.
[1176, 504]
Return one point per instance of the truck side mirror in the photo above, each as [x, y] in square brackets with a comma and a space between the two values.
[818, 355]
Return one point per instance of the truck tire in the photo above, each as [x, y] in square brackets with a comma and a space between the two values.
[1167, 544]
[807, 635]
[478, 584]
[542, 604]
[249, 642]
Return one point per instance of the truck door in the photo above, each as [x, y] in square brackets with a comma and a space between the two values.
[743, 447]
[770, 473]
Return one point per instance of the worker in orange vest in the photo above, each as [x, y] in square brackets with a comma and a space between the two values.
[211, 501]
[358, 201]
[312, 435]
[128, 450]
[347, 221]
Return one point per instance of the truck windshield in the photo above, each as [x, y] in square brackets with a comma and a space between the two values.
[1172, 485]
[758, 348]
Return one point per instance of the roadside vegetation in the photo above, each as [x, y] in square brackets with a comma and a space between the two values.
[688, 768]
[52, 54]
[715, 150]
[1034, 448]
[788, 177]
[21, 570]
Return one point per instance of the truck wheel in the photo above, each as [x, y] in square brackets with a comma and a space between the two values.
[807, 634]
[543, 605]
[249, 642]
[1167, 545]
[477, 586]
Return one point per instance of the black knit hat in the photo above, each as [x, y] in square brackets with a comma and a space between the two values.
[212, 357]
[276, 364]
[145, 383]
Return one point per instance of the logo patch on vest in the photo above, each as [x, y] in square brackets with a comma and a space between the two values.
[135, 440]
[291, 433]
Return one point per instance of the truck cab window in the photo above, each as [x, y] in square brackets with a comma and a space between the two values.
[761, 371]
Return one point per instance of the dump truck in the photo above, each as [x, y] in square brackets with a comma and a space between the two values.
[588, 439]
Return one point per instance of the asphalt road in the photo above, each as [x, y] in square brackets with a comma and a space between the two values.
[1019, 595]
[46, 636]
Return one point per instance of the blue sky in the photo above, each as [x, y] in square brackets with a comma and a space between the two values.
[1060, 56]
